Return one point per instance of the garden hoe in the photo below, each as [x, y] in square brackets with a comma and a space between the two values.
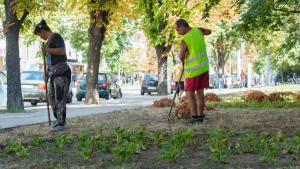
[177, 87]
[44, 57]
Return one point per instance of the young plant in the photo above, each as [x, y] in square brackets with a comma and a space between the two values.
[100, 142]
[23, 152]
[60, 141]
[218, 143]
[84, 149]
[292, 145]
[157, 137]
[269, 153]
[13, 147]
[36, 141]
[186, 136]
[124, 151]
[172, 149]
[248, 142]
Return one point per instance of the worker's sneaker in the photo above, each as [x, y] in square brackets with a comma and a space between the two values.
[193, 120]
[55, 123]
[57, 128]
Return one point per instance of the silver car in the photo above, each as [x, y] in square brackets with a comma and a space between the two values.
[33, 87]
[213, 82]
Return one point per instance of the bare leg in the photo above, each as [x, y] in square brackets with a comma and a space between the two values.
[180, 93]
[192, 102]
[200, 102]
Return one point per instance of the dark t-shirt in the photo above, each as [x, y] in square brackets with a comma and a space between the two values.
[220, 76]
[56, 41]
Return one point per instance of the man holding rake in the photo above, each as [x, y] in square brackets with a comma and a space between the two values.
[195, 62]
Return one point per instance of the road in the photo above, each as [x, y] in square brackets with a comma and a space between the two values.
[131, 99]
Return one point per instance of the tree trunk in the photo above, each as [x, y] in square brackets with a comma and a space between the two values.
[175, 58]
[162, 87]
[282, 76]
[96, 37]
[12, 27]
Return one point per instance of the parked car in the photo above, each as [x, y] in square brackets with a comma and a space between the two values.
[33, 87]
[150, 82]
[108, 88]
[213, 82]
[3, 89]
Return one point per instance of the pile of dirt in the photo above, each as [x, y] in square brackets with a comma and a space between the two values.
[255, 95]
[164, 102]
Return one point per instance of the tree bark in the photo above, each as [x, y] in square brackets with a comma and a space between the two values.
[175, 58]
[12, 27]
[162, 87]
[96, 37]
[282, 80]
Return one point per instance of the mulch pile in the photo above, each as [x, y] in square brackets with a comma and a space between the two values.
[183, 111]
[260, 96]
[164, 102]
[211, 97]
[278, 96]
[255, 95]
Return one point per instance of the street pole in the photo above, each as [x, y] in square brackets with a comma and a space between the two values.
[249, 79]
[229, 64]
[239, 62]
[268, 68]
[119, 71]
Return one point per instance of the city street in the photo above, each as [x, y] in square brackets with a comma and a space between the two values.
[131, 99]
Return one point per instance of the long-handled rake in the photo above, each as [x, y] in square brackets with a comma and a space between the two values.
[177, 87]
[44, 57]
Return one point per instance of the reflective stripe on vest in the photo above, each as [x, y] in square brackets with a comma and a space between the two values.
[197, 66]
[196, 57]
[197, 63]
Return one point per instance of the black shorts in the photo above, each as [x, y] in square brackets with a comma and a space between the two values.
[181, 86]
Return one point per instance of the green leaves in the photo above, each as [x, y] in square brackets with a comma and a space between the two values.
[218, 142]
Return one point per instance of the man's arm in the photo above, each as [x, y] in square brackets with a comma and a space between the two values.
[183, 50]
[55, 51]
[205, 31]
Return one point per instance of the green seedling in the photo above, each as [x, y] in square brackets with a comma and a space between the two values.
[13, 147]
[60, 141]
[124, 151]
[157, 137]
[23, 152]
[186, 136]
[269, 153]
[172, 149]
[35, 142]
[84, 149]
[292, 145]
[100, 142]
[218, 143]
[248, 142]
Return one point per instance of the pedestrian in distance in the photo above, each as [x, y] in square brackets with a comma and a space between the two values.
[228, 81]
[243, 76]
[178, 68]
[194, 60]
[58, 71]
[221, 79]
